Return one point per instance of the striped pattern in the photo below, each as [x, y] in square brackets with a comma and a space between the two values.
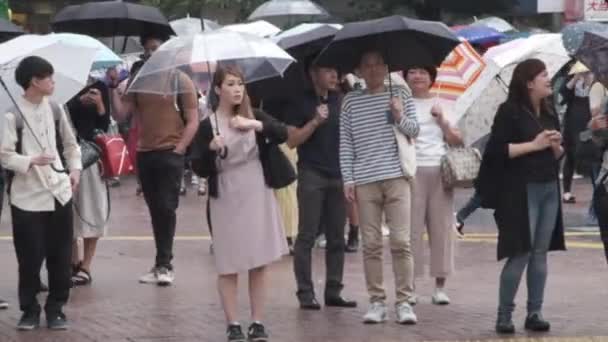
[458, 72]
[368, 148]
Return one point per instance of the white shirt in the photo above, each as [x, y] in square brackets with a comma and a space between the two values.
[35, 188]
[430, 143]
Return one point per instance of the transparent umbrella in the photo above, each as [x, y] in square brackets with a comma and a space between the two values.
[189, 26]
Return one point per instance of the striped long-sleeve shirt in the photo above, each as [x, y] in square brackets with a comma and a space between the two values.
[368, 148]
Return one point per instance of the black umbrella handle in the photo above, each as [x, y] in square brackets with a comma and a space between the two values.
[27, 124]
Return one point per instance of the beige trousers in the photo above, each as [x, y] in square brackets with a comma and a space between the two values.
[391, 198]
[433, 208]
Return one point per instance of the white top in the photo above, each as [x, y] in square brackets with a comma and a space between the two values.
[35, 188]
[430, 143]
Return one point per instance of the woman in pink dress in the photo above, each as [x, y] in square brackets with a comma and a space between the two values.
[229, 149]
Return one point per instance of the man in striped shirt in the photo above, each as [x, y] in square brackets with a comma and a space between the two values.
[372, 174]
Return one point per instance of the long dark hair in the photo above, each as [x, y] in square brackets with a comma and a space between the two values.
[524, 73]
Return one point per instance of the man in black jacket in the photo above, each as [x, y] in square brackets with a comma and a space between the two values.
[314, 117]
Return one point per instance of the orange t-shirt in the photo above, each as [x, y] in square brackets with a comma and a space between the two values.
[161, 125]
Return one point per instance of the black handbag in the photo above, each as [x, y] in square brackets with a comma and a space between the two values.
[280, 172]
[587, 154]
[90, 153]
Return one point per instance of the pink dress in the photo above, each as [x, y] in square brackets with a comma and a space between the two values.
[247, 225]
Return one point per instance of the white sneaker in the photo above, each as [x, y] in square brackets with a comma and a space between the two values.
[413, 300]
[385, 231]
[405, 314]
[150, 277]
[440, 298]
[321, 241]
[165, 277]
[377, 313]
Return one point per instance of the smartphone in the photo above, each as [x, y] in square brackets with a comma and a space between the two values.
[390, 119]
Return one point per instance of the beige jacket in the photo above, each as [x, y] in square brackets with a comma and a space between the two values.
[35, 188]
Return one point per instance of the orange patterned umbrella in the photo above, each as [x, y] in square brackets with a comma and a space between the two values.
[458, 72]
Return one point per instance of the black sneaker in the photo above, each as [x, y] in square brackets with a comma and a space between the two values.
[235, 333]
[30, 320]
[535, 322]
[57, 321]
[257, 333]
[3, 304]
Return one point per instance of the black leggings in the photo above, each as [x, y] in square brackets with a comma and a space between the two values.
[569, 166]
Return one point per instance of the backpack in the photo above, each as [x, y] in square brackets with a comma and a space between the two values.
[19, 124]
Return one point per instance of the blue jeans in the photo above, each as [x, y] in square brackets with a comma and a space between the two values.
[543, 206]
[473, 204]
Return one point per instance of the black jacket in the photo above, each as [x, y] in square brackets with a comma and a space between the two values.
[204, 159]
[502, 186]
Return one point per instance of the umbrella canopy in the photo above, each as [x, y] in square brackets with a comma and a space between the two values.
[496, 23]
[9, 30]
[593, 53]
[259, 28]
[289, 8]
[480, 34]
[104, 58]
[258, 58]
[578, 68]
[123, 45]
[458, 72]
[574, 34]
[403, 41]
[302, 28]
[111, 18]
[477, 106]
[190, 26]
[303, 47]
[71, 64]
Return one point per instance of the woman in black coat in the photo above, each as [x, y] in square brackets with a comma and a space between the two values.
[519, 178]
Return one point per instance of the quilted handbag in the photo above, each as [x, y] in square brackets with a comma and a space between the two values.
[460, 167]
[407, 154]
[90, 153]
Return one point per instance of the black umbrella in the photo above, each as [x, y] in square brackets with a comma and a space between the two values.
[9, 30]
[112, 18]
[303, 47]
[404, 42]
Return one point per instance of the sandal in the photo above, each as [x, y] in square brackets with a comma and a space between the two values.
[81, 277]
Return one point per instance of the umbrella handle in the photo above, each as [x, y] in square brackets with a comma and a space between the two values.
[27, 123]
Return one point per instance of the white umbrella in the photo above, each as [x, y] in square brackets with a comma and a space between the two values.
[496, 23]
[302, 28]
[287, 10]
[71, 64]
[259, 28]
[189, 26]
[477, 107]
[258, 58]
[104, 58]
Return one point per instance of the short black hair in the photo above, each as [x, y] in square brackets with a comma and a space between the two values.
[143, 39]
[30, 68]
[431, 69]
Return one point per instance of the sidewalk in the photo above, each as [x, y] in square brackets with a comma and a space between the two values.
[116, 308]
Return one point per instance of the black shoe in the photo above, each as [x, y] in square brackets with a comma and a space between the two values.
[340, 302]
[257, 333]
[30, 320]
[57, 321]
[352, 245]
[504, 325]
[3, 304]
[311, 304]
[235, 333]
[535, 322]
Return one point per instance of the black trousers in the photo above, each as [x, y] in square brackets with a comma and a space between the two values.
[319, 198]
[160, 173]
[42, 236]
